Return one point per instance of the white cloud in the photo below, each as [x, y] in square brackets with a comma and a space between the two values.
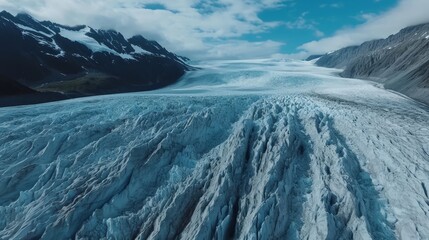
[298, 55]
[332, 5]
[191, 27]
[302, 23]
[319, 33]
[406, 13]
[242, 50]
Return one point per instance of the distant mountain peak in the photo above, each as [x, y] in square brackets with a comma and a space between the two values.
[24, 15]
[6, 14]
[139, 37]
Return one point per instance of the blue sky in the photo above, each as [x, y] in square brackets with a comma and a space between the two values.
[309, 20]
[232, 29]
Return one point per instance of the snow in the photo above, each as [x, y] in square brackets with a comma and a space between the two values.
[126, 56]
[81, 37]
[28, 29]
[37, 36]
[140, 50]
[79, 56]
[263, 149]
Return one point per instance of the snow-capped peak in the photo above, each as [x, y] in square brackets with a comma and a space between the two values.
[109, 42]
[101, 61]
[82, 37]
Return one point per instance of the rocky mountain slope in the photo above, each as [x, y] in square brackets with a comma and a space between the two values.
[400, 62]
[80, 61]
[13, 93]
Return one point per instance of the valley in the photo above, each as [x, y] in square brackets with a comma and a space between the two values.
[256, 149]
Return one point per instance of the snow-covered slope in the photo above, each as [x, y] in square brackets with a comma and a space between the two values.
[242, 149]
[80, 60]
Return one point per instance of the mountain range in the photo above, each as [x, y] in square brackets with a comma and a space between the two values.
[399, 62]
[46, 61]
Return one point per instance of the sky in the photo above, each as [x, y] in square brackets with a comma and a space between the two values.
[237, 29]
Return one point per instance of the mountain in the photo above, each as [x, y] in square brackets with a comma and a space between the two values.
[400, 62]
[10, 87]
[14, 93]
[79, 61]
[313, 57]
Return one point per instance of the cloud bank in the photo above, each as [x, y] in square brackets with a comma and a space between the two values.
[406, 13]
[205, 29]
[214, 29]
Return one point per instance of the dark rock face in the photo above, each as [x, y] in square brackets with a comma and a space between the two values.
[400, 62]
[81, 61]
[10, 87]
[13, 93]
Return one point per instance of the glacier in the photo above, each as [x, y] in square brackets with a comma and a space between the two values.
[256, 149]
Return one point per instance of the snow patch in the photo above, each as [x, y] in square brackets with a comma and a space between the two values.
[140, 50]
[126, 56]
[28, 29]
[81, 37]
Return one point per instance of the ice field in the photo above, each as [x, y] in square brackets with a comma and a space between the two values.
[261, 149]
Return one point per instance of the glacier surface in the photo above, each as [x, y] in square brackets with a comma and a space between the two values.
[264, 149]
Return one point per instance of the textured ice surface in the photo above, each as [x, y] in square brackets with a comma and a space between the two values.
[246, 150]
